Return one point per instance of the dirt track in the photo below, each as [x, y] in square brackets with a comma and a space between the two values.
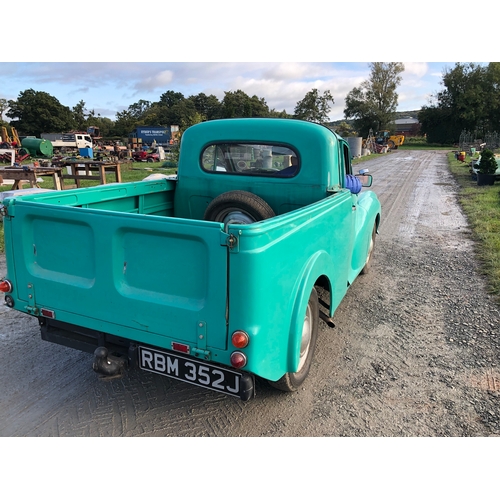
[415, 351]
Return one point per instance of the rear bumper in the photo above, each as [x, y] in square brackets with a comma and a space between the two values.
[112, 354]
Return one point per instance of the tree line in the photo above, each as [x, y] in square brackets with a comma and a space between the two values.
[35, 112]
[469, 100]
[372, 105]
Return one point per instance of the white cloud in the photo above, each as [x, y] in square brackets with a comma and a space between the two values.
[413, 69]
[156, 81]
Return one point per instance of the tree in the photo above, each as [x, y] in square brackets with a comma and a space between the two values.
[314, 107]
[374, 103]
[344, 129]
[4, 105]
[465, 92]
[238, 104]
[209, 107]
[169, 98]
[125, 123]
[37, 112]
[439, 125]
[492, 111]
[279, 114]
[139, 109]
[80, 115]
[470, 100]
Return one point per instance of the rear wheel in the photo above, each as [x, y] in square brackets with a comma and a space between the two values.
[292, 381]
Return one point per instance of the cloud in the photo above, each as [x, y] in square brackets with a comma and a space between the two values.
[413, 69]
[156, 81]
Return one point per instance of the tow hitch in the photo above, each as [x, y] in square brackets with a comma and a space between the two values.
[107, 366]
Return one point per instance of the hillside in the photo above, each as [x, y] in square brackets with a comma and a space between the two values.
[398, 115]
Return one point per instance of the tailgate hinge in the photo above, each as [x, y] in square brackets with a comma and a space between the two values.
[31, 308]
[201, 337]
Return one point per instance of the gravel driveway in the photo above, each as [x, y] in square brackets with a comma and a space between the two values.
[415, 350]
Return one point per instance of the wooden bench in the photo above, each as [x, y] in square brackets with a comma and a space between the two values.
[31, 174]
[86, 170]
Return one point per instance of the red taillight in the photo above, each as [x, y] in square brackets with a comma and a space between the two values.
[238, 359]
[5, 286]
[240, 339]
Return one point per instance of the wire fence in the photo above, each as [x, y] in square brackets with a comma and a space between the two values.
[478, 140]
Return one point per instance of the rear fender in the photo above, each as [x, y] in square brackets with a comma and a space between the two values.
[313, 269]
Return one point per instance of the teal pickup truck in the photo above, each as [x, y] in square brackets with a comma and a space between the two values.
[208, 276]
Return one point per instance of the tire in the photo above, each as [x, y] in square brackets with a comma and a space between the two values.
[290, 382]
[238, 207]
[366, 267]
[391, 145]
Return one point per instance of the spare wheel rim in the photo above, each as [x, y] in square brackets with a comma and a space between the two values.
[237, 217]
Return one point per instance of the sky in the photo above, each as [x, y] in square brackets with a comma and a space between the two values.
[111, 58]
[112, 55]
[108, 88]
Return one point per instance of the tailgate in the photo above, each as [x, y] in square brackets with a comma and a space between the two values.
[159, 275]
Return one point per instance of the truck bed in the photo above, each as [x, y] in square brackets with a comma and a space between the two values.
[92, 257]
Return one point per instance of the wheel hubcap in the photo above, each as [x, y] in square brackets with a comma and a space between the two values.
[305, 341]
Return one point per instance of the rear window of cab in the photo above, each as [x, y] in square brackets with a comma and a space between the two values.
[269, 160]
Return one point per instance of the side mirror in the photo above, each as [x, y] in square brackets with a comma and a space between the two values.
[365, 178]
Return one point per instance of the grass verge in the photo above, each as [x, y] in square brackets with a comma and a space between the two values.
[481, 205]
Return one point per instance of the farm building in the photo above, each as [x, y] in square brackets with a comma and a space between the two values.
[407, 126]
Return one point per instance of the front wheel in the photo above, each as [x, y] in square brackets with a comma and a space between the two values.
[366, 267]
[292, 381]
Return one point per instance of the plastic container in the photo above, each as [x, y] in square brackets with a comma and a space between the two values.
[86, 152]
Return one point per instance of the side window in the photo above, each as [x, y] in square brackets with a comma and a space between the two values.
[274, 160]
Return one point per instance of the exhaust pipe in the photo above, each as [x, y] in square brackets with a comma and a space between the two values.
[327, 319]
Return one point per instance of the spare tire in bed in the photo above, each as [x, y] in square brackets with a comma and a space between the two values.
[238, 207]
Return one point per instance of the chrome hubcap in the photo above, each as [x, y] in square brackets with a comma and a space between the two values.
[305, 341]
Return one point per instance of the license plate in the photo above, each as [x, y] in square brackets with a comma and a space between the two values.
[190, 370]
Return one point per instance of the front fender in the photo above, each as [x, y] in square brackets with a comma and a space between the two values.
[367, 215]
